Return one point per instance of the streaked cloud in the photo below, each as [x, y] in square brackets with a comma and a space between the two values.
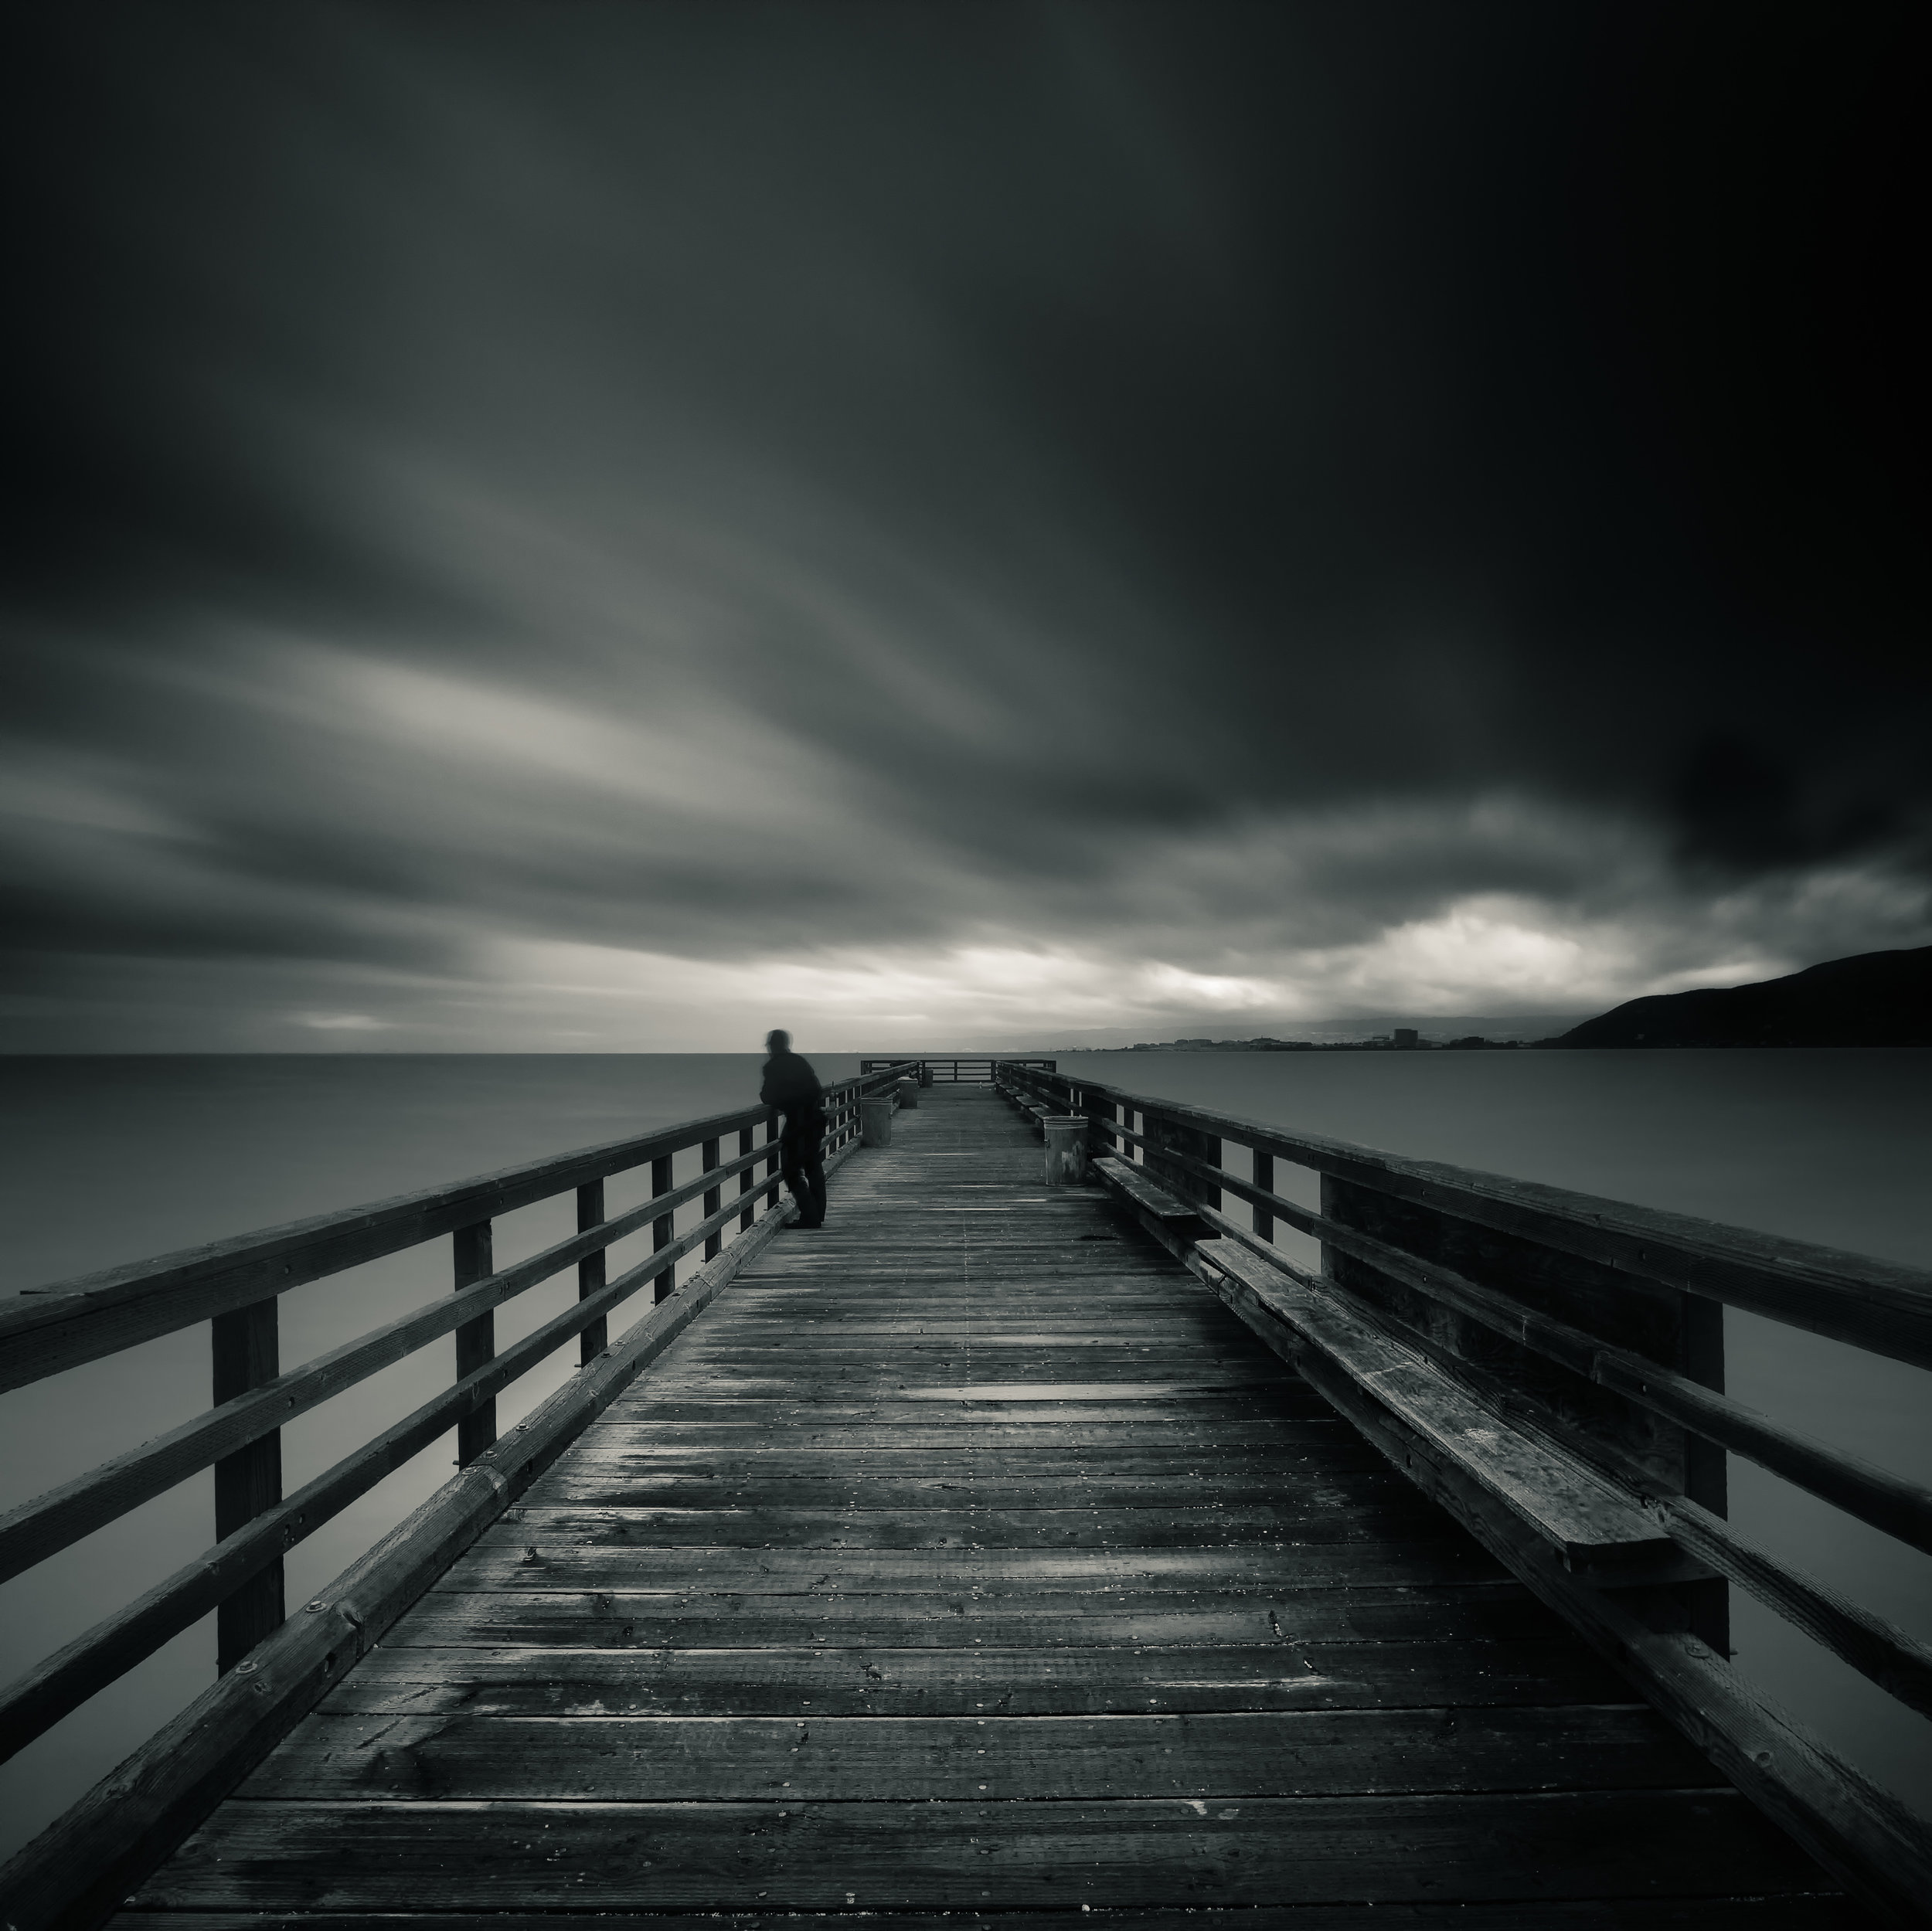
[614, 525]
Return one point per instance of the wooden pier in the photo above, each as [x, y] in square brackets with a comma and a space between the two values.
[987, 1553]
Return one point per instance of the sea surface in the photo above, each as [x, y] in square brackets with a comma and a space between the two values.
[108, 1160]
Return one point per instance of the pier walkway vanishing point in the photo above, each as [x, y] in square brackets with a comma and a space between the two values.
[976, 1555]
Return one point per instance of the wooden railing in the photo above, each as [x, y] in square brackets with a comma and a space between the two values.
[949, 1070]
[1591, 1329]
[233, 1286]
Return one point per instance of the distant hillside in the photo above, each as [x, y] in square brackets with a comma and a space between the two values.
[1876, 999]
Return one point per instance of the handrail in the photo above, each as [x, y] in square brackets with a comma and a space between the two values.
[1878, 1305]
[1889, 1502]
[44, 1329]
[985, 1067]
[38, 1528]
[89, 1317]
[1885, 1308]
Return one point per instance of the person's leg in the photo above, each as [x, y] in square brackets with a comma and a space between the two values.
[803, 1144]
[801, 1161]
[791, 1168]
[813, 1170]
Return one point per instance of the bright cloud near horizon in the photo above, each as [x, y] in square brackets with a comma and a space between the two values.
[596, 528]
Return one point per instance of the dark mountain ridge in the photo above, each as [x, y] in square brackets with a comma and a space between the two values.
[1873, 999]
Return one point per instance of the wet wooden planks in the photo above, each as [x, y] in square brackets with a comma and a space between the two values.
[967, 1557]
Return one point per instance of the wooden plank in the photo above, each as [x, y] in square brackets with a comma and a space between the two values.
[792, 1680]
[791, 1326]
[889, 1399]
[757, 1350]
[609, 1484]
[825, 1759]
[1575, 1509]
[1293, 1450]
[739, 1427]
[1306, 1519]
[1025, 1448]
[833, 1857]
[1040, 1617]
[1152, 1199]
[1413, 1563]
[1199, 1411]
[1793, 1911]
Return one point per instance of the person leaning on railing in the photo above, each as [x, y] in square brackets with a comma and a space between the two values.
[792, 1088]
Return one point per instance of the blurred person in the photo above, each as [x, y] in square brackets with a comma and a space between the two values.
[790, 1087]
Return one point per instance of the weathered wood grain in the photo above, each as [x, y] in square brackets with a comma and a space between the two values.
[822, 1758]
[1419, 1564]
[1793, 1913]
[1441, 1674]
[961, 1619]
[1574, 1508]
[832, 1857]
[865, 1483]
[1098, 1535]
[1320, 1518]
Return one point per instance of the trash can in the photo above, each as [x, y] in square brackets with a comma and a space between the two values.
[909, 1092]
[1066, 1150]
[875, 1123]
[925, 1075]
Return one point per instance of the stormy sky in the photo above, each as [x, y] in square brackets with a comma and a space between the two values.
[575, 525]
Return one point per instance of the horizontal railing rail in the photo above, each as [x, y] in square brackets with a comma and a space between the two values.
[1540, 1302]
[1887, 1501]
[948, 1070]
[1877, 1305]
[236, 1281]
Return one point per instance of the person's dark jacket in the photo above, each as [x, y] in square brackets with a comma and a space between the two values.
[792, 1087]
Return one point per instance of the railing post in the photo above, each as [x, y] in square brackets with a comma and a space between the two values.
[1707, 1478]
[473, 1248]
[590, 1273]
[245, 1351]
[663, 1230]
[1265, 1177]
[713, 1201]
[1172, 1134]
[747, 1142]
[1099, 1112]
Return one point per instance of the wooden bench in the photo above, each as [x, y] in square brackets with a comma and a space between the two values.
[1414, 1412]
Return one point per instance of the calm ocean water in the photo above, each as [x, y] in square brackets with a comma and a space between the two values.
[111, 1159]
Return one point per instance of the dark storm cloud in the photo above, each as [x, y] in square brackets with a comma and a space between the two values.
[1220, 484]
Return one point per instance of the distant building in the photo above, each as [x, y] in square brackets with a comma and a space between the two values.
[1407, 1036]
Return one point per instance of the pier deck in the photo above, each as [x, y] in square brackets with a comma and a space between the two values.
[969, 1556]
